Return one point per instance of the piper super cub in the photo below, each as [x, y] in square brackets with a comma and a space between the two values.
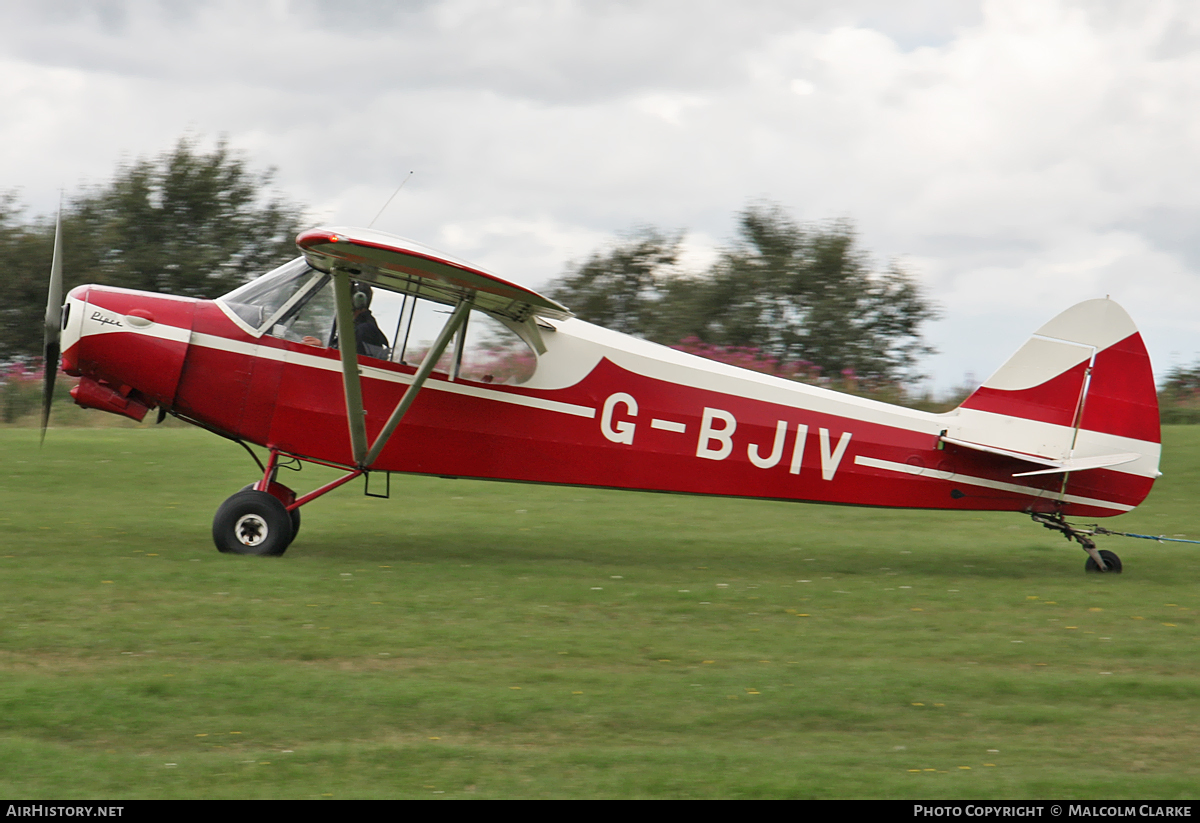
[453, 371]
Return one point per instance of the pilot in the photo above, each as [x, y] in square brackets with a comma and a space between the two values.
[371, 341]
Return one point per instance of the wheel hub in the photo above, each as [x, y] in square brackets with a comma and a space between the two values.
[251, 530]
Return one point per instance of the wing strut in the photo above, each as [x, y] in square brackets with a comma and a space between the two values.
[439, 346]
[352, 376]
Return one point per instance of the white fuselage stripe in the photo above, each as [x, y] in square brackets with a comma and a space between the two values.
[94, 320]
[968, 480]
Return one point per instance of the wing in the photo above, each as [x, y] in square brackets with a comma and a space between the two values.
[401, 265]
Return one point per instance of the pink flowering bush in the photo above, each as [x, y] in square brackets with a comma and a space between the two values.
[753, 358]
[21, 388]
[497, 364]
[803, 371]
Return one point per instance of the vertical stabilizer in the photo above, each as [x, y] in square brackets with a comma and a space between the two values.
[1086, 369]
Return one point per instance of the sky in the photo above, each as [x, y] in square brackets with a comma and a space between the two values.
[1015, 157]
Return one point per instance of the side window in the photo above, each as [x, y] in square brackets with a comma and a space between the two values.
[312, 322]
[491, 352]
[417, 323]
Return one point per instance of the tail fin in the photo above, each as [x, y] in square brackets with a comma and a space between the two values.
[1078, 395]
[1087, 369]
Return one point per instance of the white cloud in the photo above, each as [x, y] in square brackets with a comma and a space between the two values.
[1017, 155]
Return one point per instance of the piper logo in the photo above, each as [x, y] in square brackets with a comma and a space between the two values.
[104, 320]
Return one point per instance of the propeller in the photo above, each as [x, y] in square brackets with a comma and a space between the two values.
[53, 331]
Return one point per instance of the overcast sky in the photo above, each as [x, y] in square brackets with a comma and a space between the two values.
[1016, 156]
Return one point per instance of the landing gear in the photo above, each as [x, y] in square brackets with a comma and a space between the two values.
[1110, 559]
[1098, 561]
[264, 523]
[253, 522]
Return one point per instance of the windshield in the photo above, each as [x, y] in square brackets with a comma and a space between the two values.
[262, 301]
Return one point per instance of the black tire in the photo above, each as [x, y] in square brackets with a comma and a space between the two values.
[1110, 559]
[252, 522]
[294, 513]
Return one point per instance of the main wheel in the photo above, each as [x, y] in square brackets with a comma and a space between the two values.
[252, 522]
[1110, 559]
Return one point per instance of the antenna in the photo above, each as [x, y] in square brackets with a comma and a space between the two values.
[390, 199]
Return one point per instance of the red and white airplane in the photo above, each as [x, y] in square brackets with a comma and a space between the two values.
[474, 376]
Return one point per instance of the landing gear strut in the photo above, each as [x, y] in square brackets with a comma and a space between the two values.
[1098, 560]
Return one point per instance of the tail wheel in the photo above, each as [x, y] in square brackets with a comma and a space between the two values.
[252, 522]
[1110, 559]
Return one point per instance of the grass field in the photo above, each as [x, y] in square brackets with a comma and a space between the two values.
[468, 639]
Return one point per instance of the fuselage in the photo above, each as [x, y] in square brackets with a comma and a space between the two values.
[600, 409]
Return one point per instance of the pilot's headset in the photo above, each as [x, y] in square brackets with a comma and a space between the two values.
[360, 295]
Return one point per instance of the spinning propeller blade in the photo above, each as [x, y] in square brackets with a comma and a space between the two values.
[53, 331]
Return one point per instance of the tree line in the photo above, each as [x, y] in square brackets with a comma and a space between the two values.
[799, 301]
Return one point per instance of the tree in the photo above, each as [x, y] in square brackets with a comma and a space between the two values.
[187, 222]
[621, 287]
[809, 294]
[1182, 383]
[25, 252]
[1179, 399]
[796, 300]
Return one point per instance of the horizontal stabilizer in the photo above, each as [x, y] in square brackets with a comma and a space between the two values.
[1055, 466]
[1041, 460]
[1080, 464]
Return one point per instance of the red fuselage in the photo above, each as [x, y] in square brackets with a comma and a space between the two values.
[602, 409]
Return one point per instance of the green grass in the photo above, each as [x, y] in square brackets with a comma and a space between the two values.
[468, 639]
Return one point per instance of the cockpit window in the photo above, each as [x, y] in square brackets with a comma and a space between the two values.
[264, 301]
[295, 302]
